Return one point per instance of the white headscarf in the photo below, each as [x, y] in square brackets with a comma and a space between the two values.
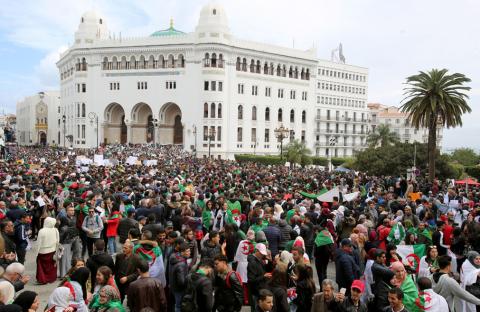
[59, 299]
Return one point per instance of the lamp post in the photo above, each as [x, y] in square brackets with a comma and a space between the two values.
[64, 120]
[195, 136]
[211, 136]
[332, 142]
[155, 124]
[94, 119]
[281, 133]
[255, 146]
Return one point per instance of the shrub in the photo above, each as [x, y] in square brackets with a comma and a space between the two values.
[265, 160]
[319, 161]
[473, 171]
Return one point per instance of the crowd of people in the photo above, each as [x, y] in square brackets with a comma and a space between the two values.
[189, 234]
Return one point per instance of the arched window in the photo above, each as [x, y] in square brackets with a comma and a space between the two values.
[114, 63]
[105, 63]
[252, 66]
[280, 114]
[290, 72]
[205, 110]
[219, 115]
[212, 110]
[304, 116]
[83, 110]
[279, 70]
[240, 112]
[267, 114]
[151, 61]
[254, 113]
[141, 65]
[307, 76]
[84, 64]
[133, 63]
[214, 60]
[220, 60]
[171, 61]
[302, 74]
[284, 71]
[244, 64]
[292, 116]
[296, 73]
[206, 60]
[181, 61]
[265, 68]
[270, 69]
[123, 63]
[239, 64]
[258, 68]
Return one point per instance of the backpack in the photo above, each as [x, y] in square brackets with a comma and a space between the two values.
[227, 279]
[189, 300]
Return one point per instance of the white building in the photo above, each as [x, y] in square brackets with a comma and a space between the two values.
[176, 88]
[33, 116]
[398, 122]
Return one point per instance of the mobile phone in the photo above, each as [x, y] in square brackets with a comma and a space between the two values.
[343, 291]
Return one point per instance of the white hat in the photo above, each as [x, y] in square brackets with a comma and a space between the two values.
[262, 249]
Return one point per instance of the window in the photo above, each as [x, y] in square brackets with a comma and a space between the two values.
[292, 115]
[303, 136]
[171, 84]
[240, 112]
[142, 85]
[205, 133]
[304, 95]
[254, 113]
[219, 115]
[267, 135]
[254, 90]
[212, 110]
[267, 114]
[280, 93]
[78, 109]
[219, 133]
[83, 110]
[220, 86]
[280, 114]
[254, 135]
[268, 91]
[83, 131]
[304, 116]
[205, 110]
[205, 86]
[84, 87]
[292, 94]
[78, 131]
[213, 85]
[240, 88]
[239, 134]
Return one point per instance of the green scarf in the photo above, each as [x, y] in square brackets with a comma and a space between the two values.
[111, 304]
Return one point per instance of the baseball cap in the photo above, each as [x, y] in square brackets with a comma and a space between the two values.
[358, 284]
[262, 249]
[169, 224]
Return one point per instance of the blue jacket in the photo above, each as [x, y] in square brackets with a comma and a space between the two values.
[274, 238]
[346, 269]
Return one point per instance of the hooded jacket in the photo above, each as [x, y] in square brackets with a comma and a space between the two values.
[285, 230]
[449, 289]
[177, 272]
[346, 269]
[48, 237]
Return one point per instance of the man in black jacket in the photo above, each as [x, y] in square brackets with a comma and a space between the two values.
[211, 248]
[177, 273]
[126, 224]
[381, 279]
[126, 265]
[273, 235]
[345, 267]
[228, 287]
[256, 272]
[202, 282]
[98, 259]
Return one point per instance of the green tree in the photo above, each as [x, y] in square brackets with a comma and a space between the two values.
[435, 99]
[382, 136]
[298, 153]
[465, 156]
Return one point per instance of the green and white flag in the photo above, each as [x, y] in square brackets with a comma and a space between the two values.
[397, 234]
[324, 237]
[411, 254]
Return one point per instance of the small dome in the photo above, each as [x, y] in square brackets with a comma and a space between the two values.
[91, 17]
[92, 26]
[213, 18]
[171, 31]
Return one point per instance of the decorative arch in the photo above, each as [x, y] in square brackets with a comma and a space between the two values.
[212, 110]
[170, 124]
[114, 128]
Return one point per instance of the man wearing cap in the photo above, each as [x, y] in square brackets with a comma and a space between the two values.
[346, 268]
[352, 302]
[257, 272]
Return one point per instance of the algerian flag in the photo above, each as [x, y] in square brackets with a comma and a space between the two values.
[397, 234]
[324, 237]
[311, 195]
[234, 212]
[411, 254]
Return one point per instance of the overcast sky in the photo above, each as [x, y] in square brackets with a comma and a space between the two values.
[394, 39]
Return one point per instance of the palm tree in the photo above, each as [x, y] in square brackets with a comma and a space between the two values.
[383, 136]
[297, 152]
[435, 99]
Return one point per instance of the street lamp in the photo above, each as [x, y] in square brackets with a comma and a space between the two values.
[211, 136]
[281, 133]
[332, 142]
[195, 135]
[255, 146]
[94, 119]
[64, 120]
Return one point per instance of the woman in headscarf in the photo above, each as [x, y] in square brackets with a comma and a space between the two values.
[104, 278]
[28, 300]
[7, 292]
[77, 283]
[109, 301]
[428, 263]
[48, 240]
[405, 282]
[469, 275]
[59, 300]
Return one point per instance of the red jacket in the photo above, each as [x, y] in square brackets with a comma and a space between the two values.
[112, 224]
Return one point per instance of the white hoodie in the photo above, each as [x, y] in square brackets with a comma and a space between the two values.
[48, 237]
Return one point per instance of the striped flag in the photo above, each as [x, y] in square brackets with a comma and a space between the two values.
[411, 254]
[324, 237]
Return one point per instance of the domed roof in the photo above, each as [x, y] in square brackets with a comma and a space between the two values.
[213, 17]
[171, 31]
[91, 16]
